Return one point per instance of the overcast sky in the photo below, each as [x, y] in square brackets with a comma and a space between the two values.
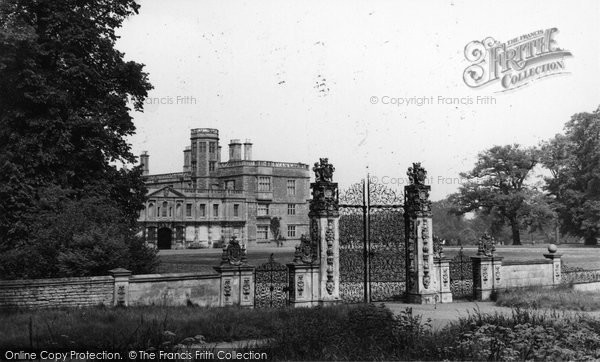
[298, 77]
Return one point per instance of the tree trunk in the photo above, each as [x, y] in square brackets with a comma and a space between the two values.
[516, 235]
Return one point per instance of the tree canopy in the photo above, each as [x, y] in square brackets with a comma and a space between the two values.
[574, 162]
[66, 94]
[496, 185]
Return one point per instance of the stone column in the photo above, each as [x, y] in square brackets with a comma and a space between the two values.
[482, 281]
[121, 290]
[324, 231]
[237, 277]
[556, 263]
[487, 269]
[443, 277]
[420, 288]
[304, 275]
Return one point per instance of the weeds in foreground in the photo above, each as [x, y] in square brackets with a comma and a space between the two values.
[359, 332]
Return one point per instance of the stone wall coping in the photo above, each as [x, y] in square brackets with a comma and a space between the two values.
[487, 258]
[146, 278]
[527, 262]
[234, 268]
[55, 281]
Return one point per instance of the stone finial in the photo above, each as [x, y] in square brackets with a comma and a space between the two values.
[416, 174]
[233, 253]
[305, 251]
[486, 245]
[323, 170]
[552, 249]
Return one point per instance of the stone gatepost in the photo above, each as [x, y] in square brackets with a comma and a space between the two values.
[442, 268]
[556, 263]
[324, 231]
[121, 289]
[237, 277]
[422, 284]
[304, 275]
[487, 269]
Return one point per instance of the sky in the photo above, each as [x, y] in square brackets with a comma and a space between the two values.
[311, 79]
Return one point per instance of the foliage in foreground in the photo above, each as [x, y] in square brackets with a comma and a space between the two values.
[561, 298]
[360, 332]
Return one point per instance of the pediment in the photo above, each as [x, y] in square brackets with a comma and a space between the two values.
[165, 192]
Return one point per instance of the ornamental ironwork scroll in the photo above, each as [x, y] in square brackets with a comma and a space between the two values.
[270, 284]
[385, 252]
[461, 275]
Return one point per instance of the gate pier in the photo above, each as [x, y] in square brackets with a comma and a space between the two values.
[425, 283]
[317, 262]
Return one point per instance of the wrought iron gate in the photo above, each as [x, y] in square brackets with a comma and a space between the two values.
[461, 276]
[371, 244]
[270, 285]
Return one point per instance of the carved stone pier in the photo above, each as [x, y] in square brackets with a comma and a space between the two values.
[425, 283]
[315, 272]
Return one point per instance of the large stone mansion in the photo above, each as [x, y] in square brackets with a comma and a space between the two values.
[210, 201]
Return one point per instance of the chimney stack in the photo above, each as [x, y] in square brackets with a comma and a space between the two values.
[235, 150]
[187, 159]
[145, 162]
[248, 150]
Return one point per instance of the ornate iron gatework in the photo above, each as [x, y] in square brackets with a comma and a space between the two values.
[271, 285]
[461, 276]
[372, 261]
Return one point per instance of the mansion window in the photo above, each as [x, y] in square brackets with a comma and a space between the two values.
[230, 184]
[178, 210]
[202, 147]
[202, 210]
[262, 210]
[291, 209]
[211, 147]
[165, 205]
[291, 187]
[262, 232]
[151, 210]
[291, 231]
[216, 210]
[188, 210]
[264, 183]
[236, 210]
[211, 165]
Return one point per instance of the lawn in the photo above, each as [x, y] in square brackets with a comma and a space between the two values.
[206, 259]
[560, 298]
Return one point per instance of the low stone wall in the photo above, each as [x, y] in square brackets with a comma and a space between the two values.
[230, 285]
[492, 274]
[175, 289]
[60, 292]
[527, 273]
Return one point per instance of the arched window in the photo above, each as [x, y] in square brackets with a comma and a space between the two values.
[150, 210]
[165, 205]
[178, 210]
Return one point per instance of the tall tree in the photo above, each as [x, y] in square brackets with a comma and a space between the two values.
[574, 162]
[496, 185]
[65, 99]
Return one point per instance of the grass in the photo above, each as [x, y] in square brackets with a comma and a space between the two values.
[341, 332]
[561, 298]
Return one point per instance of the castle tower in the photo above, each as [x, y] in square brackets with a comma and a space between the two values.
[204, 156]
